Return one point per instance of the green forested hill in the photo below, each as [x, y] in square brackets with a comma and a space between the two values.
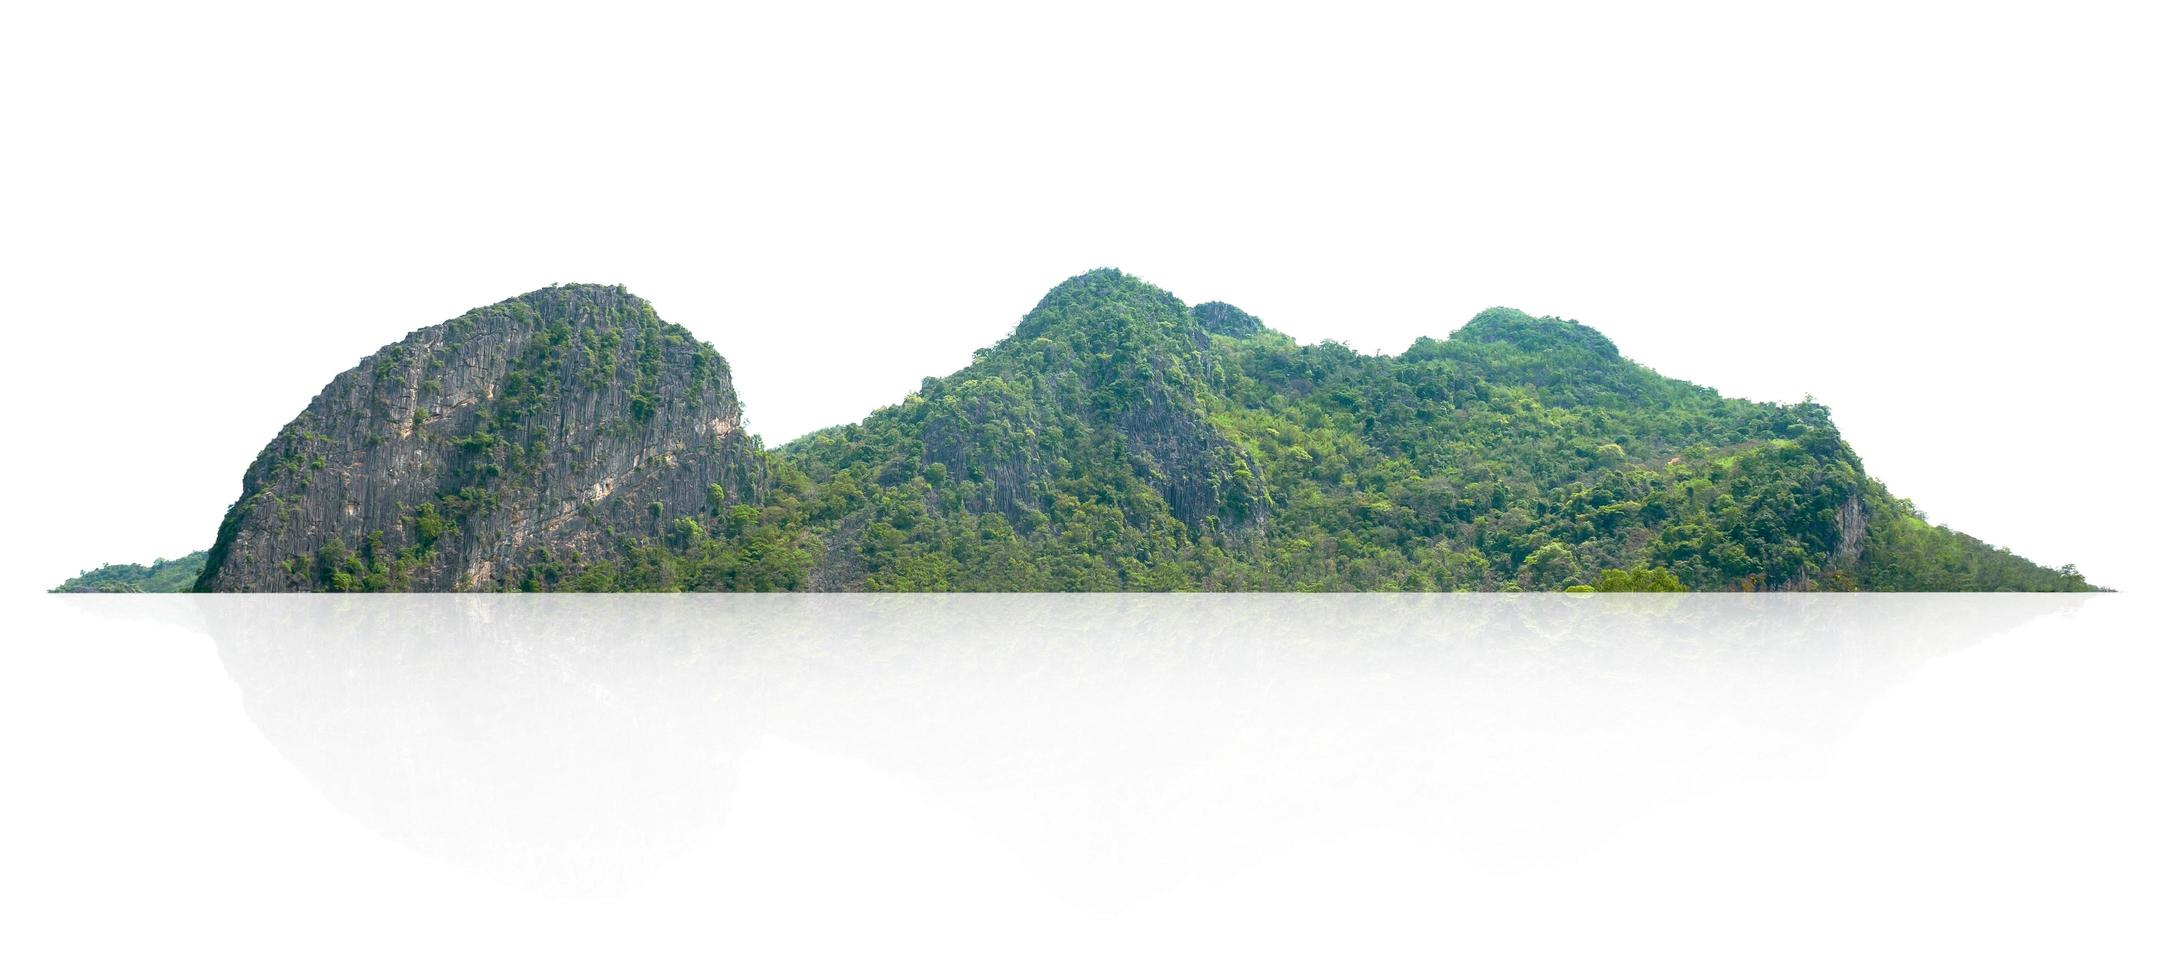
[1120, 440]
[163, 575]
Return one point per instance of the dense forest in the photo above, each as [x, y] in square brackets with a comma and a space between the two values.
[1121, 440]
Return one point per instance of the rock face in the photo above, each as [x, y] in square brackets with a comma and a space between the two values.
[539, 432]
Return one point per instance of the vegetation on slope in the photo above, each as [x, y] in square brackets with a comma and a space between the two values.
[1119, 440]
[163, 575]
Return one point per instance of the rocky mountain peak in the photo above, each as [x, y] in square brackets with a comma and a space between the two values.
[546, 428]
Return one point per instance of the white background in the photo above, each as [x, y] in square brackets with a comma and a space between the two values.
[1941, 220]
[1082, 786]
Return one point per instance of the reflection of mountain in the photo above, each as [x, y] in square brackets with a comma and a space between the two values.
[1119, 743]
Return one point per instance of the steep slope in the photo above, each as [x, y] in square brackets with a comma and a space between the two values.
[1087, 430]
[472, 454]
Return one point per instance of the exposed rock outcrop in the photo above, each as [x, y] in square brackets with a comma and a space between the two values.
[536, 432]
[1850, 528]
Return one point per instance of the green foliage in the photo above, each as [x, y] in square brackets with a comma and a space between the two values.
[1522, 453]
[163, 575]
[429, 525]
[1637, 580]
[1904, 553]
[375, 566]
[746, 549]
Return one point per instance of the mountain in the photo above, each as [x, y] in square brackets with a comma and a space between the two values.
[1120, 440]
[561, 422]
[1083, 452]
[1117, 439]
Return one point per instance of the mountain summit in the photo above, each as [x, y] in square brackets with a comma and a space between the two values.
[1504, 325]
[1117, 439]
[569, 419]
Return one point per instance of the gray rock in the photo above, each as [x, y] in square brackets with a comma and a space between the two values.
[537, 433]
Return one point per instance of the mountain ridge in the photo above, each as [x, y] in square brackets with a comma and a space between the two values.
[1115, 439]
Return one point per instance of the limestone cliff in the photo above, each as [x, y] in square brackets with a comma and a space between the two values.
[538, 432]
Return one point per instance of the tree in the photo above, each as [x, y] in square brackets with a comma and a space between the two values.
[1638, 580]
